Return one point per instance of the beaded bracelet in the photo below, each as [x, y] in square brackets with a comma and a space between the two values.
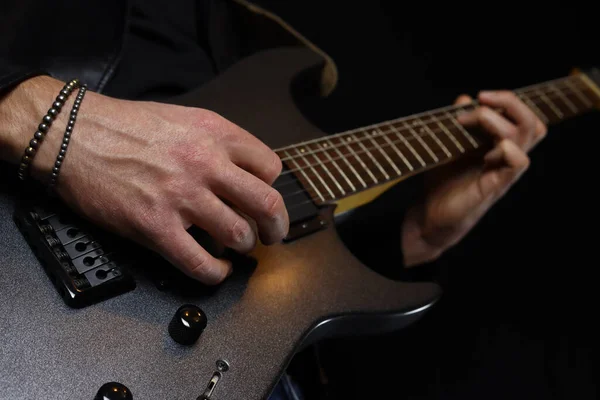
[47, 120]
[67, 136]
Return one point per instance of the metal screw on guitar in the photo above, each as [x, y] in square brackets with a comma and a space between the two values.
[222, 365]
[52, 242]
[46, 229]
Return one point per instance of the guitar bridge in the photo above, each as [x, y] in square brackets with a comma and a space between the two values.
[82, 264]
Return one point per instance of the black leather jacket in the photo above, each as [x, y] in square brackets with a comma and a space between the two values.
[67, 38]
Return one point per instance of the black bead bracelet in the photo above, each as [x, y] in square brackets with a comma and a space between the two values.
[67, 136]
[44, 126]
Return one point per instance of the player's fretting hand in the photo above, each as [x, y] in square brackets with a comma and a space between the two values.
[458, 195]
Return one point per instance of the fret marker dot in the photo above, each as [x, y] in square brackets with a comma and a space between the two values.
[302, 150]
[324, 144]
[349, 139]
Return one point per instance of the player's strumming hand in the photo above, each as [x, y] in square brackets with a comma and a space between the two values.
[149, 171]
[459, 194]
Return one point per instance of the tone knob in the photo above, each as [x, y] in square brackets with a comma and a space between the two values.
[113, 391]
[187, 324]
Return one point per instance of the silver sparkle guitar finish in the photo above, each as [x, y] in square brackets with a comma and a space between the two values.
[291, 295]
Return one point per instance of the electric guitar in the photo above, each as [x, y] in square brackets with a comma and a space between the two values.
[280, 298]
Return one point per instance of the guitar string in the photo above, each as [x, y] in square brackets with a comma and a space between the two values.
[430, 113]
[535, 87]
[367, 137]
[308, 166]
[317, 185]
[308, 190]
[400, 130]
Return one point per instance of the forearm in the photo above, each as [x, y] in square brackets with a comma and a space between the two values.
[21, 111]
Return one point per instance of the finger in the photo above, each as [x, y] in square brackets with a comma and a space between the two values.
[503, 166]
[181, 249]
[517, 110]
[257, 159]
[258, 200]
[222, 223]
[491, 122]
[463, 99]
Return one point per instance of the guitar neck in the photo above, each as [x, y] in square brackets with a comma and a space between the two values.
[337, 166]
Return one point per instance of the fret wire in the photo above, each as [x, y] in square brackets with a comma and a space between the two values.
[553, 107]
[450, 136]
[307, 178]
[316, 173]
[461, 128]
[393, 146]
[424, 126]
[417, 137]
[383, 171]
[591, 86]
[534, 107]
[564, 98]
[322, 164]
[359, 160]
[335, 164]
[536, 86]
[408, 145]
[340, 170]
[441, 109]
[360, 179]
[580, 95]
[397, 133]
[383, 153]
[569, 84]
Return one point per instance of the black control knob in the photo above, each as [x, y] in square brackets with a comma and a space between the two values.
[187, 324]
[113, 391]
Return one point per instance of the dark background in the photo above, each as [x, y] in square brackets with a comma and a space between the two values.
[517, 319]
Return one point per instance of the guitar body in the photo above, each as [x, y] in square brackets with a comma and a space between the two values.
[278, 300]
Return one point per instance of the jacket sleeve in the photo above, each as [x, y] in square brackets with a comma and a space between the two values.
[12, 74]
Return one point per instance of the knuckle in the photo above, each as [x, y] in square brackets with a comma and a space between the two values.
[199, 265]
[484, 114]
[273, 170]
[541, 130]
[506, 146]
[239, 233]
[208, 120]
[272, 204]
[510, 96]
[511, 132]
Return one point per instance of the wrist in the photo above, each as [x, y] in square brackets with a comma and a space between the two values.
[416, 249]
[21, 111]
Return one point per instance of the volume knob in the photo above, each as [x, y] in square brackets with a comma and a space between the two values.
[187, 324]
[113, 391]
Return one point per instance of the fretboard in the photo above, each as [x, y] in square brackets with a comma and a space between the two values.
[339, 165]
